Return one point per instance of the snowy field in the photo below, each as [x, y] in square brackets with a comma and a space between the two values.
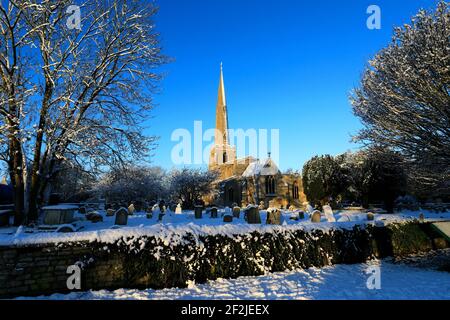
[405, 280]
[139, 225]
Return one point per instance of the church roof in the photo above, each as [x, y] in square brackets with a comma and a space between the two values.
[266, 168]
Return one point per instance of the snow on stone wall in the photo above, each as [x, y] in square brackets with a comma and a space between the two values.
[149, 261]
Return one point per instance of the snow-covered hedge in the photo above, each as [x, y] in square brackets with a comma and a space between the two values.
[175, 260]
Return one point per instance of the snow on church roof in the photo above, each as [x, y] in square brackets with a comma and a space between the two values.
[268, 168]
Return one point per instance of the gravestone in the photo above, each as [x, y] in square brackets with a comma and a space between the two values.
[131, 209]
[370, 216]
[273, 216]
[121, 217]
[316, 216]
[214, 212]
[328, 212]
[198, 212]
[59, 214]
[236, 212]
[94, 217]
[110, 212]
[228, 211]
[252, 215]
[227, 218]
[178, 209]
[4, 218]
[301, 215]
[149, 213]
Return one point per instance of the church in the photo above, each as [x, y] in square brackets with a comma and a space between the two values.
[248, 180]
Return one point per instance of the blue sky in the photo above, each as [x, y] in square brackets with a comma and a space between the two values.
[288, 65]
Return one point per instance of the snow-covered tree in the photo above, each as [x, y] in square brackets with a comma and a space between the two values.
[190, 185]
[133, 183]
[322, 179]
[73, 91]
[404, 98]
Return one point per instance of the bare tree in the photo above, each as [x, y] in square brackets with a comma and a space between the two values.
[404, 98]
[190, 185]
[80, 92]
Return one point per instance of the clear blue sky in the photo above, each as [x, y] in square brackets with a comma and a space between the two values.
[287, 64]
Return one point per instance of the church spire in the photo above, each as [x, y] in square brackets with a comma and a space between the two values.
[221, 113]
[222, 152]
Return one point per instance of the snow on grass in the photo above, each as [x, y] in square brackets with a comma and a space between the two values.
[398, 281]
[175, 226]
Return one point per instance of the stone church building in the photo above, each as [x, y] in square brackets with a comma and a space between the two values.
[248, 180]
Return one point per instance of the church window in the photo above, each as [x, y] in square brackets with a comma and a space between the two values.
[270, 185]
[225, 157]
[295, 193]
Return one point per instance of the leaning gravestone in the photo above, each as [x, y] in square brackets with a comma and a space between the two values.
[198, 212]
[213, 212]
[253, 216]
[131, 209]
[110, 212]
[121, 217]
[273, 216]
[236, 212]
[316, 216]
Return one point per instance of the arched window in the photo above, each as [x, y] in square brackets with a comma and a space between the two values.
[231, 194]
[295, 194]
[270, 185]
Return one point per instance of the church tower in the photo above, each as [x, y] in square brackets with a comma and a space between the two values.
[222, 152]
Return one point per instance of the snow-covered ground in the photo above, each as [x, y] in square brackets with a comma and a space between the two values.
[397, 281]
[139, 225]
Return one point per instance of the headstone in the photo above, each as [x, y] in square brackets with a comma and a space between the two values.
[94, 217]
[228, 211]
[273, 216]
[236, 212]
[121, 217]
[110, 212]
[213, 212]
[301, 215]
[316, 216]
[4, 218]
[178, 209]
[370, 216]
[252, 215]
[198, 212]
[227, 218]
[131, 209]
[59, 214]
